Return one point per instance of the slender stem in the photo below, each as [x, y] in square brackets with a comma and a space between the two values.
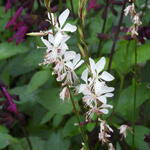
[103, 28]
[85, 139]
[116, 35]
[27, 138]
[135, 92]
[60, 4]
[82, 43]
[71, 3]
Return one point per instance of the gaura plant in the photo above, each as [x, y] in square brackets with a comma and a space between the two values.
[92, 83]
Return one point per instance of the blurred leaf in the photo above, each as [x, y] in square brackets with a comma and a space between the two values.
[70, 129]
[56, 142]
[143, 53]
[140, 131]
[9, 49]
[5, 140]
[29, 62]
[49, 98]
[47, 117]
[126, 100]
[57, 120]
[24, 95]
[124, 56]
[38, 79]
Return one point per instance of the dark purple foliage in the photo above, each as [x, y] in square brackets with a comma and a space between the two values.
[93, 5]
[9, 113]
[144, 33]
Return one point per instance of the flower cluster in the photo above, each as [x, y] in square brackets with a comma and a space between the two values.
[135, 19]
[65, 61]
[94, 89]
[95, 93]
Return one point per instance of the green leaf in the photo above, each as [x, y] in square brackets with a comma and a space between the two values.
[140, 132]
[57, 120]
[24, 95]
[47, 117]
[126, 100]
[5, 140]
[124, 57]
[49, 99]
[38, 79]
[56, 142]
[70, 129]
[143, 53]
[10, 49]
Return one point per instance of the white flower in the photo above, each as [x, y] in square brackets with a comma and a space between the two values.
[96, 69]
[123, 130]
[105, 131]
[60, 25]
[56, 47]
[130, 9]
[65, 93]
[75, 63]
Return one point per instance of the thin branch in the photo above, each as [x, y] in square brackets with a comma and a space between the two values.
[116, 35]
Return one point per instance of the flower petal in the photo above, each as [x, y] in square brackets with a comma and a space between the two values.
[69, 55]
[63, 17]
[92, 66]
[106, 76]
[48, 45]
[84, 75]
[102, 99]
[100, 65]
[69, 28]
[79, 64]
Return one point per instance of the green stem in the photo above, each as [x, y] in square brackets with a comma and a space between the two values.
[27, 138]
[84, 136]
[116, 35]
[72, 8]
[103, 28]
[135, 92]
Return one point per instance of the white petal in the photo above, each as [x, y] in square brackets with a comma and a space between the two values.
[58, 38]
[65, 38]
[79, 64]
[76, 59]
[84, 75]
[62, 93]
[106, 89]
[102, 99]
[63, 17]
[92, 66]
[51, 38]
[106, 76]
[48, 45]
[98, 86]
[100, 65]
[69, 55]
[109, 94]
[69, 64]
[106, 106]
[69, 28]
[104, 111]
